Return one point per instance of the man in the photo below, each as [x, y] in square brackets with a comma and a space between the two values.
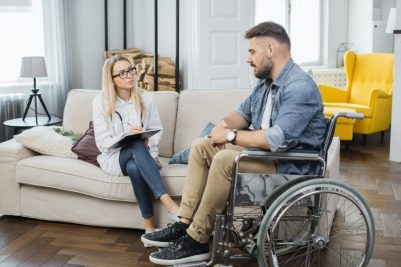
[286, 112]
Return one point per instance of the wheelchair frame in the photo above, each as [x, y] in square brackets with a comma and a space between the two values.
[226, 236]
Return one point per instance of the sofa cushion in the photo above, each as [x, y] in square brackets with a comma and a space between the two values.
[81, 177]
[183, 156]
[167, 106]
[197, 107]
[78, 113]
[78, 110]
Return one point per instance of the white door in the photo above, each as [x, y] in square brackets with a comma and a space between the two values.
[219, 48]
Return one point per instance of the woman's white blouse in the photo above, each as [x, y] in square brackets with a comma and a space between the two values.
[110, 129]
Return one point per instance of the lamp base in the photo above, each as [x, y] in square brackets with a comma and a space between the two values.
[35, 94]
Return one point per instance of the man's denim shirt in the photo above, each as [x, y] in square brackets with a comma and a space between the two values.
[297, 120]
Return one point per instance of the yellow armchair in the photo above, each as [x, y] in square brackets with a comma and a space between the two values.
[369, 90]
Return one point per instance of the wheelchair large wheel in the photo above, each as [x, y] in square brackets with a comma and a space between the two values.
[320, 222]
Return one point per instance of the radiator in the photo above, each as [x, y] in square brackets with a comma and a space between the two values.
[11, 107]
[334, 77]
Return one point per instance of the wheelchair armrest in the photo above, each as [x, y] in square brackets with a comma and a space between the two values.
[311, 156]
[290, 155]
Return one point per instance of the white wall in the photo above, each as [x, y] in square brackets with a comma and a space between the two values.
[88, 37]
[87, 40]
[395, 139]
[335, 17]
[361, 14]
[87, 32]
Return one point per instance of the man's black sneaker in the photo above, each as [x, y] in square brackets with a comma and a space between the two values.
[166, 236]
[184, 250]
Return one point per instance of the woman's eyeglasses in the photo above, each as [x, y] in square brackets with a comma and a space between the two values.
[124, 73]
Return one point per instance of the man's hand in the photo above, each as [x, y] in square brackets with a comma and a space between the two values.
[223, 124]
[219, 135]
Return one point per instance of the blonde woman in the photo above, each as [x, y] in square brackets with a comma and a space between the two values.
[122, 109]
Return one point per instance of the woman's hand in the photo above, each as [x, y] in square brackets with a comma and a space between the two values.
[134, 130]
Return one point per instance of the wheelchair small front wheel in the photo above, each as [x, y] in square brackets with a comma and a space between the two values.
[320, 222]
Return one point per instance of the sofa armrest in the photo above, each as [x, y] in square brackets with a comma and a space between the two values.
[333, 94]
[10, 195]
[11, 150]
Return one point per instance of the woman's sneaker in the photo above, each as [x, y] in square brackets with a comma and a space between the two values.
[166, 236]
[184, 250]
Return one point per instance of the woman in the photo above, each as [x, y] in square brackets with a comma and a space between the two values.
[122, 109]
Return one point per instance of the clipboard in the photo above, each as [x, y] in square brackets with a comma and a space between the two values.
[133, 137]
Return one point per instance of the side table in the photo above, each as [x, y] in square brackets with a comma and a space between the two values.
[29, 122]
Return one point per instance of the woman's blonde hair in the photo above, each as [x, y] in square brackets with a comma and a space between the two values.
[109, 91]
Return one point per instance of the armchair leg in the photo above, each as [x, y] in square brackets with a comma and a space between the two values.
[382, 133]
[364, 139]
[347, 145]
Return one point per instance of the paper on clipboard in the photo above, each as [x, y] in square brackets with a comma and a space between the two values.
[133, 137]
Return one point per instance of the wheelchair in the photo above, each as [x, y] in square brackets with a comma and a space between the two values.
[293, 220]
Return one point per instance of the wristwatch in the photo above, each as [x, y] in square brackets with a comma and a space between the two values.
[231, 135]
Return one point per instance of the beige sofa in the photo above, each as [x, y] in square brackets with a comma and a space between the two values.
[71, 190]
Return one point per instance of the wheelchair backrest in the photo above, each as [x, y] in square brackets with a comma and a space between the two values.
[328, 137]
[331, 126]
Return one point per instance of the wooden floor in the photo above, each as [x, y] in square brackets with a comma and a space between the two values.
[27, 242]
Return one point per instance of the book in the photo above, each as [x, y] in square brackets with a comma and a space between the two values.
[133, 137]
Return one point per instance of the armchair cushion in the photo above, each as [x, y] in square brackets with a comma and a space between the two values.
[366, 110]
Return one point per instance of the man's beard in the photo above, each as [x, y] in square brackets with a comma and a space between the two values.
[266, 70]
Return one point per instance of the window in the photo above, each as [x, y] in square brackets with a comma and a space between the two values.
[302, 20]
[22, 35]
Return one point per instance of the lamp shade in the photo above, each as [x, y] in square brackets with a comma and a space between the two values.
[33, 67]
[391, 20]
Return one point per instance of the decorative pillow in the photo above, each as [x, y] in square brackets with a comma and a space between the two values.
[182, 156]
[86, 148]
[44, 140]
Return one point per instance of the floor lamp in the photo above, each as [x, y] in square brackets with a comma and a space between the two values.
[34, 67]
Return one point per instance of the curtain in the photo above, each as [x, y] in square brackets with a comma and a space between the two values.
[14, 91]
[55, 87]
[58, 55]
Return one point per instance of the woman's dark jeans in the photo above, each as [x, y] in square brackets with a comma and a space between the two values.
[137, 163]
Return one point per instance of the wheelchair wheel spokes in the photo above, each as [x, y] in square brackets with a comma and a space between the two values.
[335, 228]
[292, 230]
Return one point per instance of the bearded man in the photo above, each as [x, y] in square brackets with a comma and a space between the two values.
[284, 111]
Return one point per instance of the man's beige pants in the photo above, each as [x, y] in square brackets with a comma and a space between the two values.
[208, 182]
